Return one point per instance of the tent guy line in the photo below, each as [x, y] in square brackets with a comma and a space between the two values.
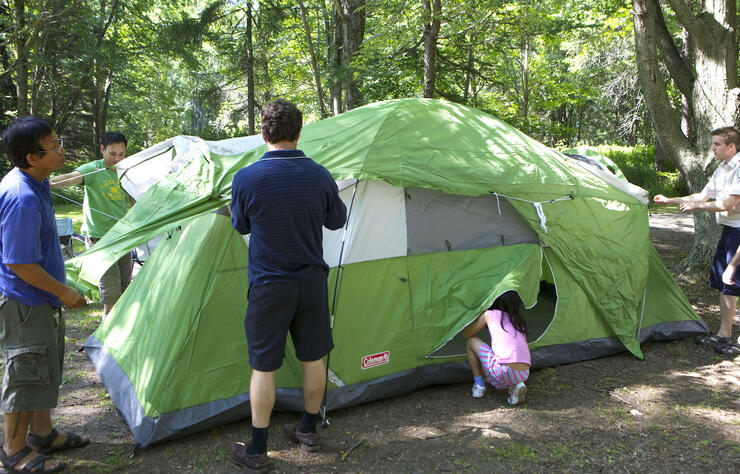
[537, 206]
[80, 204]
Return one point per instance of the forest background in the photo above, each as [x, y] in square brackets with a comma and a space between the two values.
[645, 80]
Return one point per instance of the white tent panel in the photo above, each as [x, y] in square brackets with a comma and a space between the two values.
[140, 171]
[377, 225]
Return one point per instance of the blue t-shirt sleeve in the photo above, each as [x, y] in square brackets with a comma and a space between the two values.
[21, 231]
[336, 212]
[239, 219]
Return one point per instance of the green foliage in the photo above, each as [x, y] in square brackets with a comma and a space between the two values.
[563, 72]
[4, 165]
[638, 165]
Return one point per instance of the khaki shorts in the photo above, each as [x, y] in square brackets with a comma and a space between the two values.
[32, 341]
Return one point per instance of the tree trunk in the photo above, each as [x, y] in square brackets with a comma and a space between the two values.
[21, 75]
[102, 76]
[334, 56]
[314, 63]
[352, 15]
[709, 87]
[251, 104]
[432, 22]
[469, 70]
[659, 160]
[525, 83]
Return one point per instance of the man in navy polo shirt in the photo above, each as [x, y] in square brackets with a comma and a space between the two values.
[283, 200]
[32, 289]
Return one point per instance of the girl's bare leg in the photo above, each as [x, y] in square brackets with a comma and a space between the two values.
[472, 349]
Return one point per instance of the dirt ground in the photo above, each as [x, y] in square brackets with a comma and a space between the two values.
[676, 411]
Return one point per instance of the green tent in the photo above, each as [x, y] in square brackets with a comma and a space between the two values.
[448, 208]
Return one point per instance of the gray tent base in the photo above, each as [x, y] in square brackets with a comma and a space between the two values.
[147, 430]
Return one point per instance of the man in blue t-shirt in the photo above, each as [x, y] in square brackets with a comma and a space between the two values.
[283, 200]
[32, 291]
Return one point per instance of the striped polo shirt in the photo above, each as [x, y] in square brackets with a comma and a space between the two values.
[283, 200]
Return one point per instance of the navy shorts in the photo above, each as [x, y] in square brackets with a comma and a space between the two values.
[299, 307]
[726, 248]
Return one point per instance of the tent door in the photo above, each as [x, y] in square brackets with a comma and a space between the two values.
[538, 320]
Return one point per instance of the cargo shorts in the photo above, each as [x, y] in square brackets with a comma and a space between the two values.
[32, 342]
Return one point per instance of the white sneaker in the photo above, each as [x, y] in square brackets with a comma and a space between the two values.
[517, 393]
[478, 391]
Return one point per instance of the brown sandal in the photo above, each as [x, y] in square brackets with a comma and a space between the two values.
[45, 444]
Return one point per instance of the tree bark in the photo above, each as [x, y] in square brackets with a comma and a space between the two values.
[21, 75]
[102, 75]
[709, 86]
[333, 53]
[659, 160]
[314, 63]
[469, 70]
[251, 103]
[352, 15]
[432, 23]
[525, 83]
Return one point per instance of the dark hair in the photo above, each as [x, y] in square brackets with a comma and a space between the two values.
[22, 137]
[110, 138]
[281, 120]
[511, 304]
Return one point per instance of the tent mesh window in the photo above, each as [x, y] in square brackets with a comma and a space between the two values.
[441, 222]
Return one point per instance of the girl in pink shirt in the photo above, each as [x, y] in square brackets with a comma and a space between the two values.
[505, 363]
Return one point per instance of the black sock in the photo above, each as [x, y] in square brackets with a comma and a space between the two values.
[258, 445]
[308, 422]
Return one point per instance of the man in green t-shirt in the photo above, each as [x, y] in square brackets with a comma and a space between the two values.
[105, 203]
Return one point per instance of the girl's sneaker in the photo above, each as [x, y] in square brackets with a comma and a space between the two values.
[478, 391]
[517, 393]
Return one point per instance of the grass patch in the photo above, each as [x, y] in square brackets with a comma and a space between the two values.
[515, 452]
[72, 211]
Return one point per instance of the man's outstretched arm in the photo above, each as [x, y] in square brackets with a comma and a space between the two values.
[661, 199]
[727, 204]
[64, 180]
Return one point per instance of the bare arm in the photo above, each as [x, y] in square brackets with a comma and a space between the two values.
[726, 204]
[661, 199]
[35, 275]
[64, 180]
[474, 328]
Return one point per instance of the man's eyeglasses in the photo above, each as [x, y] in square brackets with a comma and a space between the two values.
[58, 150]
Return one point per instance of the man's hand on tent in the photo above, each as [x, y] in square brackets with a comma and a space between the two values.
[35, 275]
[72, 298]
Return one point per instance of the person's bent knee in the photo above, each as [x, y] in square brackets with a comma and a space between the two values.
[474, 343]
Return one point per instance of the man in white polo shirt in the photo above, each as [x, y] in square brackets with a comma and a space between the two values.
[720, 195]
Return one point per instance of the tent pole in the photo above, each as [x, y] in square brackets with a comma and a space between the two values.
[324, 419]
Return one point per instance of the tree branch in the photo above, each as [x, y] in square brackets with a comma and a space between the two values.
[666, 118]
[684, 14]
[677, 67]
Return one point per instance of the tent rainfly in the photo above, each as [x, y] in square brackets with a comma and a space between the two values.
[449, 208]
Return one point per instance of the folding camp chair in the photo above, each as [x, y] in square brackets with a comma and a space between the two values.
[67, 237]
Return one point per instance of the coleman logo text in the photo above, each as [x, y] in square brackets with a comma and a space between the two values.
[375, 360]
